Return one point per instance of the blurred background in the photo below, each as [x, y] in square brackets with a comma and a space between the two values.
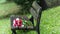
[21, 7]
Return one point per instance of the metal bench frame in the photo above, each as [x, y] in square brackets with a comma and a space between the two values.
[36, 14]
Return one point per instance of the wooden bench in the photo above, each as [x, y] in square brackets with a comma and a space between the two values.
[35, 11]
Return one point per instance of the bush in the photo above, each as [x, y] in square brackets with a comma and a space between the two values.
[26, 4]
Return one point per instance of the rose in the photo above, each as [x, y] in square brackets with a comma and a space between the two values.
[17, 22]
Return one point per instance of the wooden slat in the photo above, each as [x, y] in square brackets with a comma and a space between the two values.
[36, 6]
[35, 9]
[34, 14]
[24, 28]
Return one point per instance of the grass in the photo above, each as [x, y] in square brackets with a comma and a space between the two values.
[50, 21]
[5, 26]
[8, 8]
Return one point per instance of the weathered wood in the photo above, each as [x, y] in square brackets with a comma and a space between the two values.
[36, 6]
[35, 9]
[33, 12]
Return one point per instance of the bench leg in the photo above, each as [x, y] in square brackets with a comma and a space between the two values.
[13, 31]
[38, 31]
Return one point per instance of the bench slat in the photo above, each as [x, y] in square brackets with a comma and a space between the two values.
[32, 11]
[36, 6]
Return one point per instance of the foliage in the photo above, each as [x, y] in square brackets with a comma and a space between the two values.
[26, 4]
[52, 3]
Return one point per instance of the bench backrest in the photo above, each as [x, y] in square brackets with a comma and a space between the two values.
[35, 10]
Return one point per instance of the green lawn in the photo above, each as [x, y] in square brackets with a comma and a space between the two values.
[8, 8]
[50, 21]
[5, 26]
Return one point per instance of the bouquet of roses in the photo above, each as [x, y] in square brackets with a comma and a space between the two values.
[21, 23]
